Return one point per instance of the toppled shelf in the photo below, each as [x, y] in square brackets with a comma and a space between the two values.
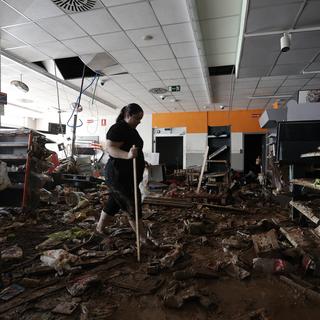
[307, 211]
[218, 151]
[309, 183]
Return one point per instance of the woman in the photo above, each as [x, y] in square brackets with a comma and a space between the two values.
[123, 144]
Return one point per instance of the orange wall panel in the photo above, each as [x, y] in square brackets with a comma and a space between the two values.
[240, 120]
[198, 122]
[195, 122]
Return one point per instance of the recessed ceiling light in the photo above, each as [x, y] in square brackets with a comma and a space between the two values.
[148, 37]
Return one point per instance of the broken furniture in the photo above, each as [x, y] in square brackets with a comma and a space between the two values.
[24, 152]
[296, 138]
[219, 156]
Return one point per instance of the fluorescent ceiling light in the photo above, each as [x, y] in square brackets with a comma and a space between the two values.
[271, 97]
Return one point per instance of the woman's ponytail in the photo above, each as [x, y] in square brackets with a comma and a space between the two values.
[122, 114]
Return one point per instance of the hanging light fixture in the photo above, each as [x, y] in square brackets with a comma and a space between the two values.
[20, 85]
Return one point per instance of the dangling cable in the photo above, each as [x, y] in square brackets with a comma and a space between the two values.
[58, 100]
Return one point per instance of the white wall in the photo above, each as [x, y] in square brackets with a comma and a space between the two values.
[237, 159]
[145, 131]
[196, 144]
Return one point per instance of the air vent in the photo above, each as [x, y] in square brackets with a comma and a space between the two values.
[158, 90]
[70, 6]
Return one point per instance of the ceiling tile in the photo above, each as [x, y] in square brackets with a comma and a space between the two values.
[153, 84]
[170, 74]
[96, 21]
[209, 9]
[225, 59]
[310, 15]
[221, 46]
[9, 17]
[123, 78]
[308, 39]
[185, 49]
[298, 56]
[62, 27]
[271, 3]
[168, 11]
[28, 53]
[137, 67]
[192, 73]
[36, 9]
[282, 17]
[137, 37]
[128, 56]
[147, 76]
[157, 52]
[181, 32]
[195, 80]
[270, 83]
[8, 41]
[265, 91]
[134, 16]
[189, 63]
[288, 90]
[314, 81]
[253, 72]
[111, 3]
[133, 86]
[55, 50]
[301, 76]
[83, 45]
[220, 28]
[295, 82]
[114, 41]
[30, 33]
[173, 82]
[166, 64]
[287, 69]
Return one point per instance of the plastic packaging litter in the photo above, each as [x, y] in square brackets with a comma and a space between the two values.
[58, 259]
[267, 265]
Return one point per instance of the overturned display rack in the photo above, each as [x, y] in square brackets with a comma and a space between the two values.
[24, 153]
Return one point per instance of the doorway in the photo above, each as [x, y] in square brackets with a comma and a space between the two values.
[171, 152]
[253, 145]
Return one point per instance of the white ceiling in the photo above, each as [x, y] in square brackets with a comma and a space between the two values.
[185, 42]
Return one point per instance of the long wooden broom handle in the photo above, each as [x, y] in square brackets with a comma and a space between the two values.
[136, 205]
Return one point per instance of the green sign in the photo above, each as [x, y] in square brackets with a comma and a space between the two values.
[174, 88]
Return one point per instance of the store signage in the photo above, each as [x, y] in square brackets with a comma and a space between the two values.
[176, 88]
[103, 122]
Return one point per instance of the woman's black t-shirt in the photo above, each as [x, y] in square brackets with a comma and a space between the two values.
[122, 132]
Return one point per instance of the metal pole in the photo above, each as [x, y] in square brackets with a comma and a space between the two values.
[136, 206]
[74, 128]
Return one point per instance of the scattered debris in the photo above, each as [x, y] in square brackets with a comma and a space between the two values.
[265, 242]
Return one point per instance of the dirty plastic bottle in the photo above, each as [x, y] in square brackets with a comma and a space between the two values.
[269, 265]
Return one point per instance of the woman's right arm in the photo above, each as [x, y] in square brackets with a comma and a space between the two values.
[113, 148]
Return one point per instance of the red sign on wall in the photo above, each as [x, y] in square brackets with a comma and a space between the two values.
[103, 122]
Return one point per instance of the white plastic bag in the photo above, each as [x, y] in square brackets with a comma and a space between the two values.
[58, 259]
[4, 178]
[144, 184]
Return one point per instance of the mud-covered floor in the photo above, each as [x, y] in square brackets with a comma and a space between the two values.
[201, 268]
